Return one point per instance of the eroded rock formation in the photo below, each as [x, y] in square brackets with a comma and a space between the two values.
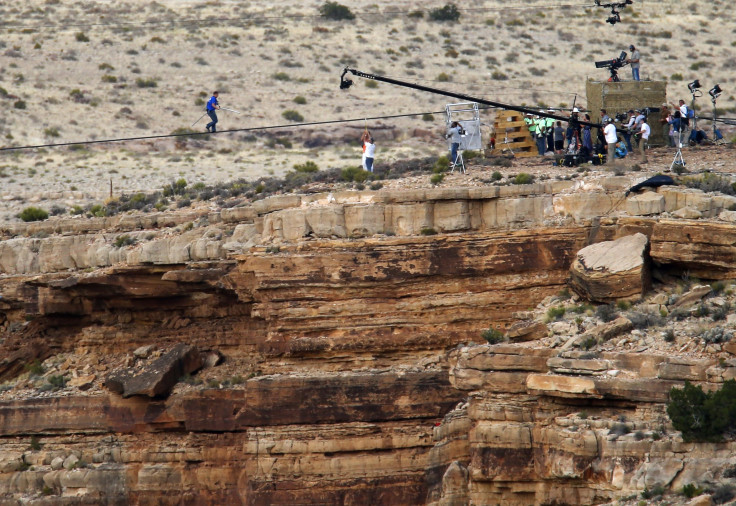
[334, 315]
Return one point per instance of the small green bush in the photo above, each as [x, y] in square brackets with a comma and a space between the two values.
[523, 178]
[493, 336]
[606, 312]
[555, 313]
[370, 83]
[35, 445]
[427, 231]
[35, 368]
[300, 100]
[19, 104]
[292, 115]
[437, 178]
[51, 132]
[691, 490]
[443, 77]
[107, 78]
[33, 214]
[657, 491]
[58, 381]
[146, 83]
[356, 174]
[308, 166]
[335, 11]
[427, 117]
[496, 176]
[449, 12]
[124, 240]
[81, 37]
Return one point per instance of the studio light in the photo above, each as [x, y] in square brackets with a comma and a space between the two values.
[693, 86]
[715, 91]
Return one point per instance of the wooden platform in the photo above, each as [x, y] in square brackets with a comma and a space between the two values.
[511, 125]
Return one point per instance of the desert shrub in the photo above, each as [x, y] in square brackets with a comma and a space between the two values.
[716, 335]
[669, 336]
[308, 166]
[523, 178]
[124, 240]
[300, 100]
[437, 178]
[58, 381]
[35, 445]
[376, 186]
[497, 176]
[427, 117]
[443, 77]
[335, 11]
[107, 78]
[499, 76]
[427, 231]
[691, 490]
[493, 336]
[720, 313]
[555, 313]
[19, 104]
[710, 182]
[645, 320]
[606, 313]
[469, 155]
[35, 368]
[146, 83]
[588, 343]
[703, 416]
[51, 132]
[33, 214]
[676, 77]
[81, 37]
[623, 305]
[356, 174]
[449, 12]
[370, 83]
[657, 491]
[292, 115]
[723, 494]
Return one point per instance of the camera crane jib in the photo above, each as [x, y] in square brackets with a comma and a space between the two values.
[347, 83]
[615, 17]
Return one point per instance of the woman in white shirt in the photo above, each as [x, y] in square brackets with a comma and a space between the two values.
[369, 151]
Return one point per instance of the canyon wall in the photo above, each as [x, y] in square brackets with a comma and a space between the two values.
[342, 321]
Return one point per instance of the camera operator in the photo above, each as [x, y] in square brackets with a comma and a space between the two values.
[628, 129]
[455, 135]
[634, 61]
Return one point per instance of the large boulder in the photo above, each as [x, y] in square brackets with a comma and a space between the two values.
[158, 378]
[613, 270]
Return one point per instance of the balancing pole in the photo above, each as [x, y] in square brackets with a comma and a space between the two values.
[202, 116]
[231, 110]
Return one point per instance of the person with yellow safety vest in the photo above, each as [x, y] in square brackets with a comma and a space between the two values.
[531, 125]
[550, 129]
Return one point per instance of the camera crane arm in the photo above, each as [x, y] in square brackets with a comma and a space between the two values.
[346, 83]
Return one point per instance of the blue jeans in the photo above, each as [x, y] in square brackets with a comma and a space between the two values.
[453, 151]
[369, 164]
[541, 143]
[635, 74]
[627, 138]
[212, 123]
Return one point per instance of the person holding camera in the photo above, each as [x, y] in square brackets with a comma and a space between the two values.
[455, 135]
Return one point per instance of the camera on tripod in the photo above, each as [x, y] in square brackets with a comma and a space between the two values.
[613, 65]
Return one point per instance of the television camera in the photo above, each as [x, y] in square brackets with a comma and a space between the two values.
[613, 65]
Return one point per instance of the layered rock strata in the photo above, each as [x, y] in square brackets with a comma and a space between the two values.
[337, 311]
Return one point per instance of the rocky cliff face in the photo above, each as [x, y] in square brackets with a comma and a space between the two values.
[334, 315]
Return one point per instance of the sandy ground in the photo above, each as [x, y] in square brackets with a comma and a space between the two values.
[75, 66]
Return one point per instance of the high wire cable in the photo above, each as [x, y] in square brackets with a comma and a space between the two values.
[193, 134]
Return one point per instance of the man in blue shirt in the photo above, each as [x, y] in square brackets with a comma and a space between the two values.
[212, 104]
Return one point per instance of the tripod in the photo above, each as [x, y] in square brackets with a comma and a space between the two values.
[506, 141]
[678, 160]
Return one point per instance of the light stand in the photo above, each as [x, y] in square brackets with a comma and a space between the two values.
[714, 94]
[693, 87]
[678, 160]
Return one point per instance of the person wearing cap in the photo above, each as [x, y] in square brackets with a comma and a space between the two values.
[634, 61]
[540, 124]
[610, 132]
[629, 129]
[550, 129]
